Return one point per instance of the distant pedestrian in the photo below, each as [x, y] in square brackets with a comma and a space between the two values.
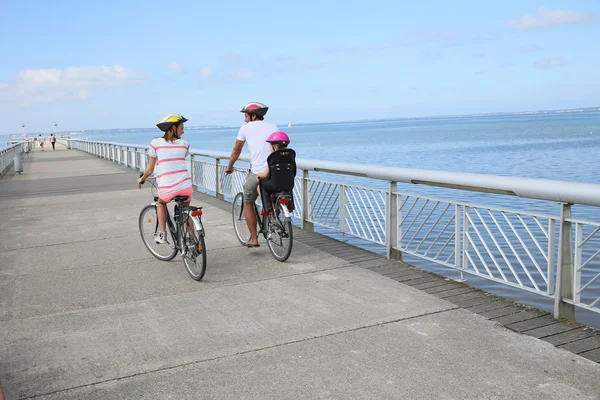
[41, 142]
[53, 141]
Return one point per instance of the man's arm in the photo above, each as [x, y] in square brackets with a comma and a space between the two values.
[235, 154]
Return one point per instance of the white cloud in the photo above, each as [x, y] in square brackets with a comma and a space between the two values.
[549, 62]
[34, 86]
[434, 37]
[176, 69]
[546, 18]
[246, 76]
[206, 73]
[230, 71]
[530, 49]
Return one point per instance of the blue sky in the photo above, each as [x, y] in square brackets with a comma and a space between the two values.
[123, 64]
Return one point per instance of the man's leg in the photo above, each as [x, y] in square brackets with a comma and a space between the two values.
[251, 221]
[250, 195]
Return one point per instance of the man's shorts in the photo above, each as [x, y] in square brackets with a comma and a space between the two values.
[250, 188]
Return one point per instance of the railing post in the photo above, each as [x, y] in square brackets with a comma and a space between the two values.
[306, 225]
[391, 234]
[343, 201]
[218, 194]
[551, 257]
[564, 272]
[465, 243]
[191, 167]
[578, 262]
[457, 239]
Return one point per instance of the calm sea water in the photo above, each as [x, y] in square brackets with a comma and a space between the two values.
[555, 146]
[547, 146]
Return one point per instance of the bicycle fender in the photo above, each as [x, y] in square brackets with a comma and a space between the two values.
[285, 210]
[197, 224]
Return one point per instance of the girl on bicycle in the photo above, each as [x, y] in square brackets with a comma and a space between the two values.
[167, 154]
[283, 178]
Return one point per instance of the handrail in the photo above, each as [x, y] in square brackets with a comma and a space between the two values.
[7, 154]
[527, 251]
[10, 147]
[541, 189]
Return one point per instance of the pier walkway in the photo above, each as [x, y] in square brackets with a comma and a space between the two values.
[86, 312]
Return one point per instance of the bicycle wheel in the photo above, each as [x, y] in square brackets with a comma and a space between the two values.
[281, 237]
[148, 227]
[239, 220]
[194, 256]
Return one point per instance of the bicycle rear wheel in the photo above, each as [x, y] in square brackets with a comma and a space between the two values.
[239, 220]
[281, 236]
[148, 224]
[194, 256]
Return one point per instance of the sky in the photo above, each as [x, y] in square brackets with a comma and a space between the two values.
[124, 64]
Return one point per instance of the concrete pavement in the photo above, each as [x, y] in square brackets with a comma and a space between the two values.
[87, 312]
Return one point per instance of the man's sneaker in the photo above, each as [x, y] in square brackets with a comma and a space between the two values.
[160, 237]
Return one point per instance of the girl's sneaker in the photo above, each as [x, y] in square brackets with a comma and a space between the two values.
[160, 237]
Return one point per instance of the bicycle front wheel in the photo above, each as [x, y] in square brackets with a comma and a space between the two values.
[281, 237]
[239, 220]
[148, 228]
[194, 256]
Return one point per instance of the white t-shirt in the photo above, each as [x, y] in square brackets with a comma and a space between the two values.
[255, 134]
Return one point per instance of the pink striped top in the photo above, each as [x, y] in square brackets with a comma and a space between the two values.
[171, 171]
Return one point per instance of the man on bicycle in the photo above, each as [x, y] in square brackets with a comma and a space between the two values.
[255, 132]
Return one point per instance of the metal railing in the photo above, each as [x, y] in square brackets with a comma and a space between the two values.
[7, 155]
[534, 252]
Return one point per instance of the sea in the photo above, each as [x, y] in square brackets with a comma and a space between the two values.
[563, 146]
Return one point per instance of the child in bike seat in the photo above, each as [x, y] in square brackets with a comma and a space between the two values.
[281, 170]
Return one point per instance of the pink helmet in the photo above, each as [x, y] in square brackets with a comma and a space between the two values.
[279, 137]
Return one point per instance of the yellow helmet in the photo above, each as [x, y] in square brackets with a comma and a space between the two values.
[169, 120]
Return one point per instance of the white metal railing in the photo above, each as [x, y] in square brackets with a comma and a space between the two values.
[62, 141]
[7, 155]
[529, 251]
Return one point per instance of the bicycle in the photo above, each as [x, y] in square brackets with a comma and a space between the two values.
[276, 225]
[186, 234]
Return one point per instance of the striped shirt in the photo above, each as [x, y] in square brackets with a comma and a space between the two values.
[171, 171]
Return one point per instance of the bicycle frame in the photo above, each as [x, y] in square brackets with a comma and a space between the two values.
[261, 218]
[176, 224]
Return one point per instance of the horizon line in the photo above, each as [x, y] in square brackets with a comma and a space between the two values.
[497, 113]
